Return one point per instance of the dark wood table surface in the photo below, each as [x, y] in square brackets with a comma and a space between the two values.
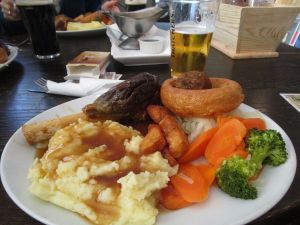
[261, 79]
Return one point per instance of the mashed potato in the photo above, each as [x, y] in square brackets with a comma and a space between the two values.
[71, 26]
[96, 170]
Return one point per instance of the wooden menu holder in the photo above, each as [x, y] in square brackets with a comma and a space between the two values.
[252, 32]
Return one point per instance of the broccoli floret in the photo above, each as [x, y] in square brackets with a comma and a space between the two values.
[266, 147]
[234, 174]
[233, 177]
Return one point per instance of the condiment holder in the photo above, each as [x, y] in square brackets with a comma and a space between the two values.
[135, 24]
[151, 45]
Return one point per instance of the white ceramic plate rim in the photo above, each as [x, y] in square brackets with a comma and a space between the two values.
[13, 54]
[240, 211]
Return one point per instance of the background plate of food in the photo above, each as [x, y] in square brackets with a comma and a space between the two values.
[218, 209]
[83, 25]
[87, 32]
[7, 54]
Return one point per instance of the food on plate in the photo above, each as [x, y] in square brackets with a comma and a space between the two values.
[190, 183]
[157, 112]
[42, 131]
[61, 22]
[4, 52]
[93, 16]
[167, 155]
[249, 123]
[233, 155]
[88, 21]
[197, 147]
[234, 175]
[193, 126]
[208, 171]
[266, 147]
[127, 100]
[153, 141]
[192, 80]
[201, 106]
[225, 141]
[175, 136]
[224, 96]
[171, 199]
[111, 174]
[97, 170]
[72, 26]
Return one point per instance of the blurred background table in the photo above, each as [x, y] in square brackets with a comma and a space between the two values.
[262, 80]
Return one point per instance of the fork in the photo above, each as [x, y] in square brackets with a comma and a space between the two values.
[42, 83]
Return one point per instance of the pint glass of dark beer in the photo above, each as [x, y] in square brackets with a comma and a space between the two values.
[39, 19]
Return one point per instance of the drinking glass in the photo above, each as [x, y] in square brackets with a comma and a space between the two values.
[39, 19]
[192, 23]
[133, 5]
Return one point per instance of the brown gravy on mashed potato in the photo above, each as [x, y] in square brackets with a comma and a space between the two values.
[96, 170]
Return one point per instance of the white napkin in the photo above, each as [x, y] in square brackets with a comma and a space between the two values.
[137, 57]
[85, 86]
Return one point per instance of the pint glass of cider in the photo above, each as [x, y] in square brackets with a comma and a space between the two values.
[192, 23]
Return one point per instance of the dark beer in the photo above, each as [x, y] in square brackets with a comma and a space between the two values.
[133, 5]
[39, 17]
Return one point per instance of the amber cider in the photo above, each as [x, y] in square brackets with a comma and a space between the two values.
[190, 47]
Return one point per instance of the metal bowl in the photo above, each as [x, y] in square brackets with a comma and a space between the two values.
[137, 23]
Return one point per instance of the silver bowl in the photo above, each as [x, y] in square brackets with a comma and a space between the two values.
[135, 24]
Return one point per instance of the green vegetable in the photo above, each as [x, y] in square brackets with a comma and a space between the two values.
[233, 177]
[266, 147]
[234, 174]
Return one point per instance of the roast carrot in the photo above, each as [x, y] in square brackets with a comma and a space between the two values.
[225, 141]
[241, 153]
[241, 150]
[171, 199]
[208, 171]
[221, 120]
[198, 146]
[241, 146]
[249, 123]
[190, 183]
[257, 123]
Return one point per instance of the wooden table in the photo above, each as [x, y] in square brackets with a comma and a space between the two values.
[262, 80]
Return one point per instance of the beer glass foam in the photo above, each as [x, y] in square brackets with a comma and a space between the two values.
[192, 26]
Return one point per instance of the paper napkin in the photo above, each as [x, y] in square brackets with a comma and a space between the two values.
[85, 86]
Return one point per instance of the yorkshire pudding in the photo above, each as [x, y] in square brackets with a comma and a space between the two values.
[224, 96]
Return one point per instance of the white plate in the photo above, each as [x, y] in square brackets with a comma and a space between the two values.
[219, 209]
[137, 57]
[13, 54]
[81, 33]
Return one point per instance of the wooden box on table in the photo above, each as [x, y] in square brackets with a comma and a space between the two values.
[252, 32]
